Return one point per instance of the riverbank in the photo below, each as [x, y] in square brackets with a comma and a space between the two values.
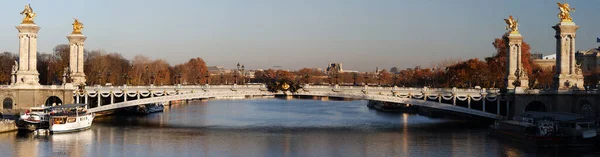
[7, 126]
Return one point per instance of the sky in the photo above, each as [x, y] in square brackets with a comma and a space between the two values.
[360, 34]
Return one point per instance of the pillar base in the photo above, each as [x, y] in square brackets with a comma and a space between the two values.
[568, 82]
[78, 79]
[27, 78]
[524, 83]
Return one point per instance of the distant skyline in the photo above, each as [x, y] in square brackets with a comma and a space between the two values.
[299, 33]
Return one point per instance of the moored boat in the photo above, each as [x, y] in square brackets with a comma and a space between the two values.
[547, 129]
[69, 118]
[151, 108]
[34, 118]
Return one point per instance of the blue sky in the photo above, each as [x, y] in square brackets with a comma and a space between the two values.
[361, 34]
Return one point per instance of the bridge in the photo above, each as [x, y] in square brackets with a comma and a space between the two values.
[474, 102]
[565, 96]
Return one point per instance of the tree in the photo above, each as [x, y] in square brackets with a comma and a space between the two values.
[384, 77]
[497, 63]
[140, 72]
[467, 74]
[305, 75]
[8, 60]
[196, 70]
[161, 72]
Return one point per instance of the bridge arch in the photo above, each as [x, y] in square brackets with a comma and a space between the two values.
[584, 107]
[7, 103]
[53, 101]
[536, 106]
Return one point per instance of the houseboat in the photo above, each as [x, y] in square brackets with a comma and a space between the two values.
[547, 129]
[69, 118]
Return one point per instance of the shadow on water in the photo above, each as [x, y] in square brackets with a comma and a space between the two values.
[438, 125]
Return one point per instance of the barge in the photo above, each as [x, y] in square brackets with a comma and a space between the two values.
[547, 129]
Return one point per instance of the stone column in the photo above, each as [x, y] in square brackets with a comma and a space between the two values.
[76, 58]
[568, 74]
[27, 73]
[514, 67]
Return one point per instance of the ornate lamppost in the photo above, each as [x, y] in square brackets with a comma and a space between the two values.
[306, 77]
[366, 79]
[221, 78]
[152, 77]
[354, 77]
[336, 76]
[235, 75]
[395, 79]
[146, 74]
[99, 78]
[108, 73]
[207, 76]
[125, 79]
[179, 77]
[378, 80]
[243, 75]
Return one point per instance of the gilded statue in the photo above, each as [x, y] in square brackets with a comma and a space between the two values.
[512, 24]
[29, 15]
[565, 12]
[77, 26]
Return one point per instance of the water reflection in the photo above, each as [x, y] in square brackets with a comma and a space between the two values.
[268, 128]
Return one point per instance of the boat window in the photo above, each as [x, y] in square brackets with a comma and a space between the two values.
[59, 120]
[83, 118]
[71, 119]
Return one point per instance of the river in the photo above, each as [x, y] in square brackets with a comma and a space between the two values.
[272, 127]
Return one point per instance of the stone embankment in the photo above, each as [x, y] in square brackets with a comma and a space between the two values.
[7, 125]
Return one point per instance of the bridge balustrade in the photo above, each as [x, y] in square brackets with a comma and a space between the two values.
[441, 98]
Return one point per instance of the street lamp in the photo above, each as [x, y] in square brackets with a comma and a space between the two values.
[152, 77]
[366, 79]
[178, 77]
[207, 76]
[108, 73]
[336, 76]
[306, 77]
[221, 78]
[98, 77]
[243, 75]
[354, 77]
[235, 75]
[125, 79]
[378, 80]
[395, 78]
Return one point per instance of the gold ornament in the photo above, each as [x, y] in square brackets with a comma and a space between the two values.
[285, 86]
[565, 12]
[77, 26]
[512, 25]
[29, 15]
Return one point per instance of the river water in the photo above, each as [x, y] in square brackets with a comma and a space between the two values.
[272, 127]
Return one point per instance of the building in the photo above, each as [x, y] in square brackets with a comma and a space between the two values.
[588, 60]
[394, 70]
[545, 62]
[216, 70]
[334, 68]
[536, 56]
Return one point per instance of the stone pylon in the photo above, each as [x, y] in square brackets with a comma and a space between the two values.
[516, 76]
[76, 58]
[27, 73]
[568, 73]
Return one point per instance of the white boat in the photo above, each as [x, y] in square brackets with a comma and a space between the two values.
[69, 118]
[34, 118]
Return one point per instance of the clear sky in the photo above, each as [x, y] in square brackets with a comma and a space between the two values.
[361, 34]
